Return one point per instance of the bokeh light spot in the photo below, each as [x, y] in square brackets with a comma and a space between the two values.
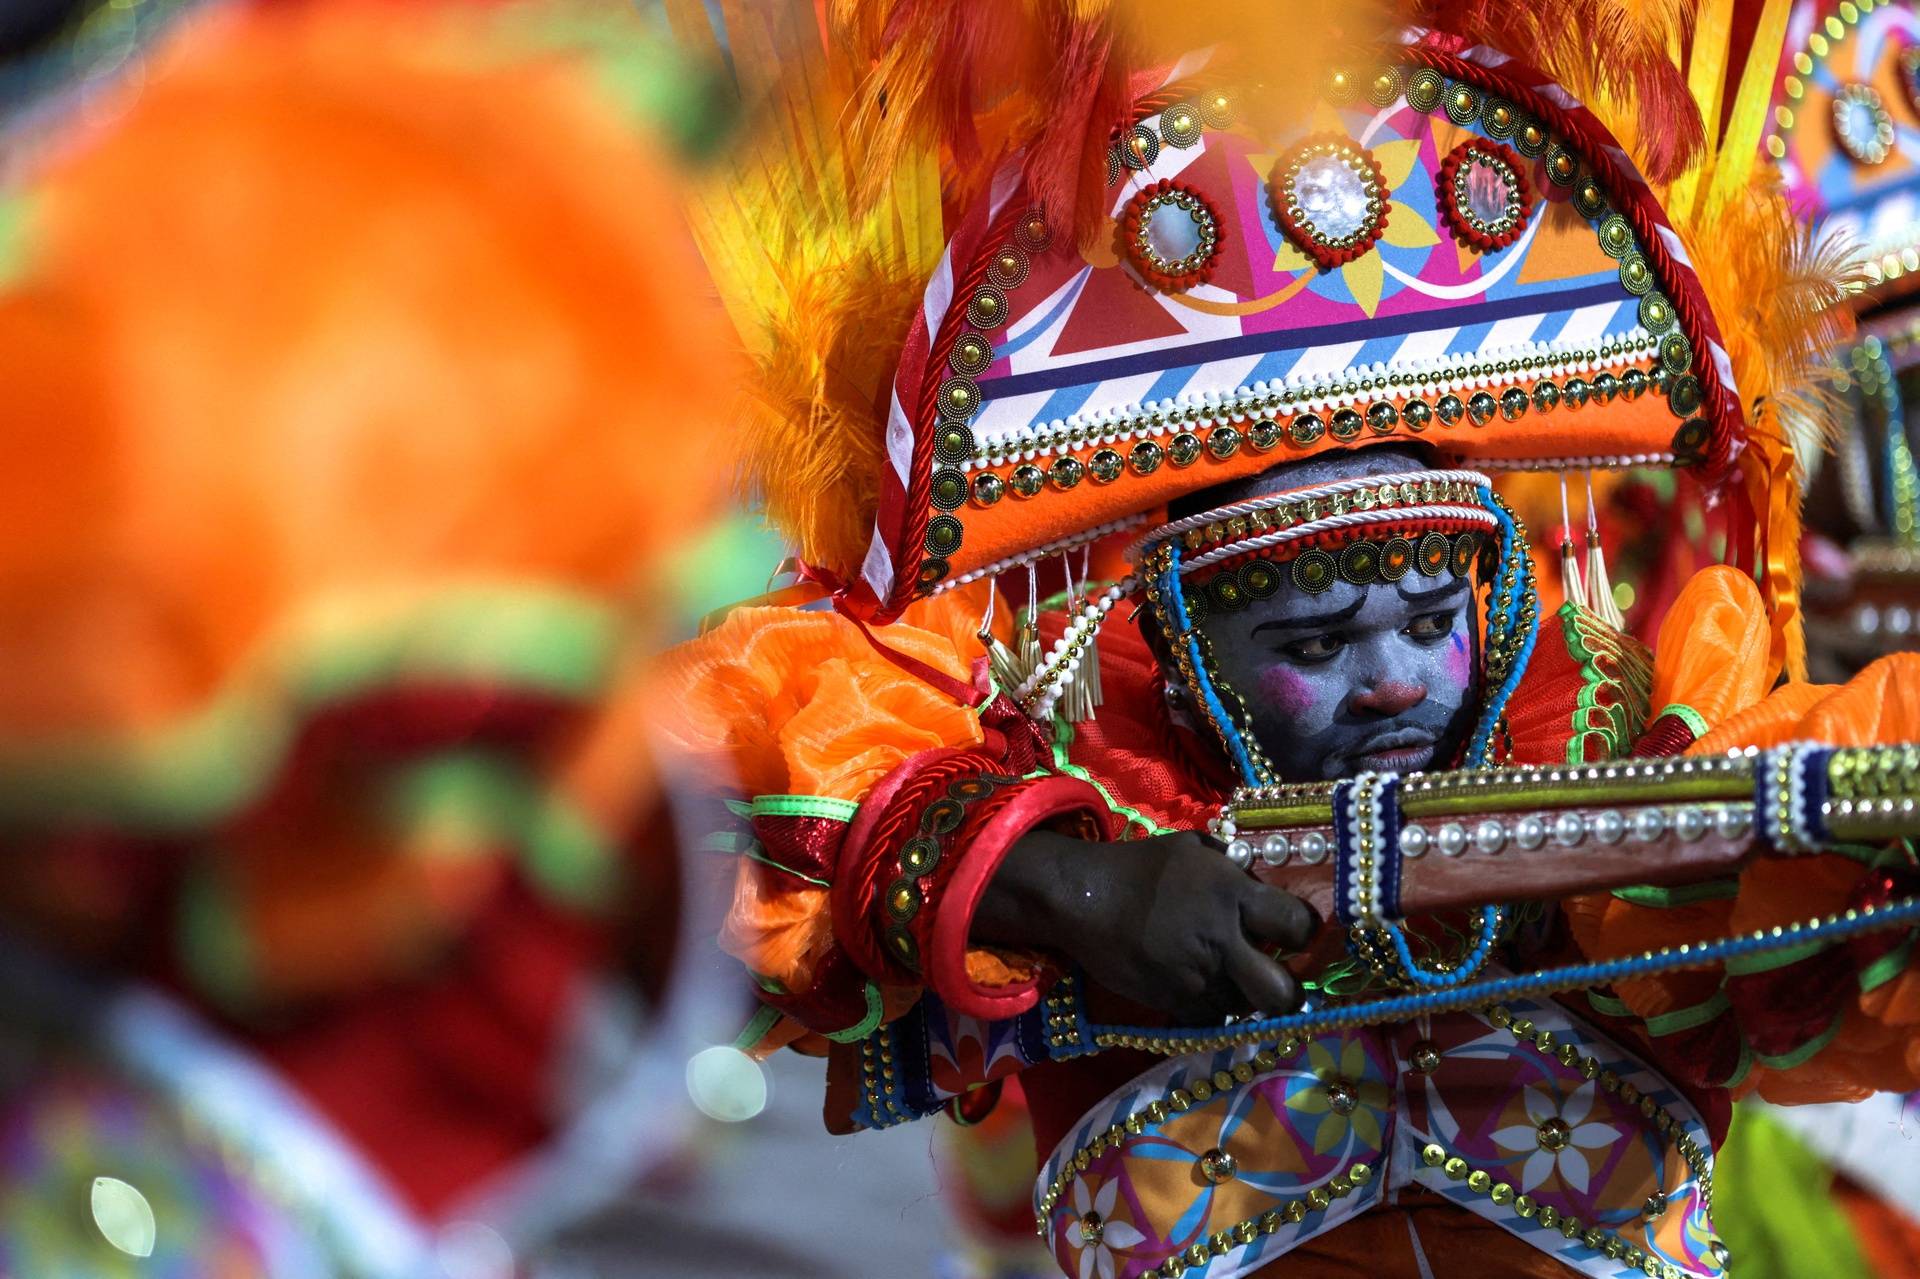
[124, 1216]
[726, 1084]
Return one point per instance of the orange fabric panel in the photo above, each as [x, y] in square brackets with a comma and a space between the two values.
[1880, 704]
[802, 703]
[1769, 722]
[1712, 652]
[1877, 1047]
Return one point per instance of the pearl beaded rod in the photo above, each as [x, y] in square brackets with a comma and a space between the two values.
[1057, 665]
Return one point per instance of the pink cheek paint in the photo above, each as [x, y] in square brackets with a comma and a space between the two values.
[1459, 661]
[1286, 691]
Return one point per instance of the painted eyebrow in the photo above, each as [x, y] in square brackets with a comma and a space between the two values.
[1434, 596]
[1334, 618]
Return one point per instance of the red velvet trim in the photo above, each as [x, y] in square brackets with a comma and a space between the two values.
[1783, 1009]
[854, 885]
[803, 845]
[979, 855]
[1668, 735]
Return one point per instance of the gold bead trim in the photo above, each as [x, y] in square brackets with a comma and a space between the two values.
[1481, 1181]
[1179, 1100]
[1176, 1101]
[1294, 412]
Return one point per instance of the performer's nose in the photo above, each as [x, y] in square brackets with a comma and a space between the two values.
[1387, 697]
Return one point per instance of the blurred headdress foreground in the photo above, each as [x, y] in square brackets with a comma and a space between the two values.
[362, 385]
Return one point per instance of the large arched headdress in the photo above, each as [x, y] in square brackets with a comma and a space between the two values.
[1415, 238]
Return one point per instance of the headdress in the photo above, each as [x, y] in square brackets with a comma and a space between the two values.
[1843, 131]
[1418, 238]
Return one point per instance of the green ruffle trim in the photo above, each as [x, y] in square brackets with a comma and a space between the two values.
[1608, 661]
[838, 810]
[1708, 890]
[1805, 1052]
[1692, 718]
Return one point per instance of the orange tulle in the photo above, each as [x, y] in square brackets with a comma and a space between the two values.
[801, 703]
[1712, 652]
[1874, 1046]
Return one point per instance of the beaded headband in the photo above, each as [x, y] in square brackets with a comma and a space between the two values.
[1288, 526]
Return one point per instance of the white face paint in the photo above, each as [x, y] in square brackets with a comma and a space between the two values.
[1357, 677]
[1380, 677]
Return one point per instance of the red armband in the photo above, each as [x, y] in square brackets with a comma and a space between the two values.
[920, 853]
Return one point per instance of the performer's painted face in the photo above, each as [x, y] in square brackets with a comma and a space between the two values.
[1382, 676]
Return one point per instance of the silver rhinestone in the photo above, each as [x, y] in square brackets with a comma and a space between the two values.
[1313, 848]
[1609, 827]
[1530, 832]
[1451, 839]
[1690, 823]
[1489, 836]
[1732, 822]
[1240, 853]
[1899, 620]
[1649, 824]
[1568, 829]
[1413, 841]
[1275, 849]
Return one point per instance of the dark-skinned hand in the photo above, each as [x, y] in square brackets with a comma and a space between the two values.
[1167, 922]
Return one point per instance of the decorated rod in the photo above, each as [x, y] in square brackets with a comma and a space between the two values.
[1379, 847]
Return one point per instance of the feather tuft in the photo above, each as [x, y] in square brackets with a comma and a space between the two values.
[1619, 57]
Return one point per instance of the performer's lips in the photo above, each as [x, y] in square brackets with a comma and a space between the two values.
[1402, 751]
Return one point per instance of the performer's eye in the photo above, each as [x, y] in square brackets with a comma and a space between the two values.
[1314, 649]
[1431, 626]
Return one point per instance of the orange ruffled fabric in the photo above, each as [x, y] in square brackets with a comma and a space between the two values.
[1712, 651]
[776, 701]
[1712, 657]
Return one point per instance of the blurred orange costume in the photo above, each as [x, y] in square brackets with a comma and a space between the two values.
[361, 384]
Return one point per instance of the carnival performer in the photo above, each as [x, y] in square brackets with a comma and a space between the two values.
[359, 394]
[1234, 377]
